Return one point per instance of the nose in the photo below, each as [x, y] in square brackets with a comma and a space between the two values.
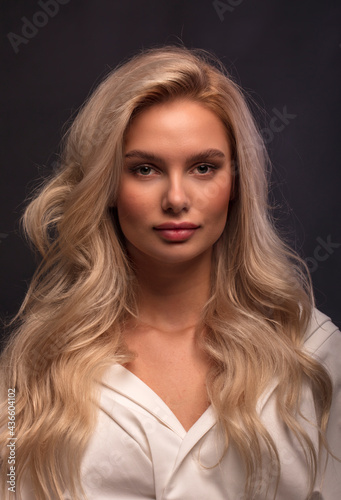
[175, 197]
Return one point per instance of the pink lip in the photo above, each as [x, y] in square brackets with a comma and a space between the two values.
[171, 231]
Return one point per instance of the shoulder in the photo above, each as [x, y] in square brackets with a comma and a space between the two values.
[321, 332]
[322, 341]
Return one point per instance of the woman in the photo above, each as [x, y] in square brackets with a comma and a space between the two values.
[168, 347]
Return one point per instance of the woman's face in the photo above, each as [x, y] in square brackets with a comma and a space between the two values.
[176, 182]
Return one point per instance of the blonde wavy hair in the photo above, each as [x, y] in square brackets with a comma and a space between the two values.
[70, 326]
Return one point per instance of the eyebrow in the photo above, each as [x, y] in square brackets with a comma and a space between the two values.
[202, 155]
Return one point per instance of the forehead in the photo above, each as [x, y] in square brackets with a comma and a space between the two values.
[181, 124]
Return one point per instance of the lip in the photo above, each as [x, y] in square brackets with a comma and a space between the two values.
[175, 225]
[177, 232]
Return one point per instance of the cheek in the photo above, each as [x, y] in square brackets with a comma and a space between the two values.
[214, 198]
[132, 206]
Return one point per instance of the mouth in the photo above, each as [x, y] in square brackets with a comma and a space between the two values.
[176, 225]
[172, 231]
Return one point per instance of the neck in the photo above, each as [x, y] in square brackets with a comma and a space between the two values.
[171, 296]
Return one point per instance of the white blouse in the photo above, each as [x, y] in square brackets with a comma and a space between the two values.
[140, 450]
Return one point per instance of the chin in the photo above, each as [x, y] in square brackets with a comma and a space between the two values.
[179, 256]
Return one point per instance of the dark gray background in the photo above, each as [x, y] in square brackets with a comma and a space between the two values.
[286, 54]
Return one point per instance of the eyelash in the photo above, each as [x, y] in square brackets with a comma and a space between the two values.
[135, 170]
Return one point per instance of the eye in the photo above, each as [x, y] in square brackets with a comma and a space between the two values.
[204, 168]
[144, 170]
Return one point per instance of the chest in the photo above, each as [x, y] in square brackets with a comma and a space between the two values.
[177, 374]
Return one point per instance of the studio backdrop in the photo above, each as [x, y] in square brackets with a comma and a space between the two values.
[285, 54]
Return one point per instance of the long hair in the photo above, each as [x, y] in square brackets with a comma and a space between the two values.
[69, 328]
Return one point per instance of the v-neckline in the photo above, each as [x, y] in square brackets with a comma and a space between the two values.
[134, 388]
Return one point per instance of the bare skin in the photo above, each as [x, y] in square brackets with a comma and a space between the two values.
[171, 175]
[169, 360]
